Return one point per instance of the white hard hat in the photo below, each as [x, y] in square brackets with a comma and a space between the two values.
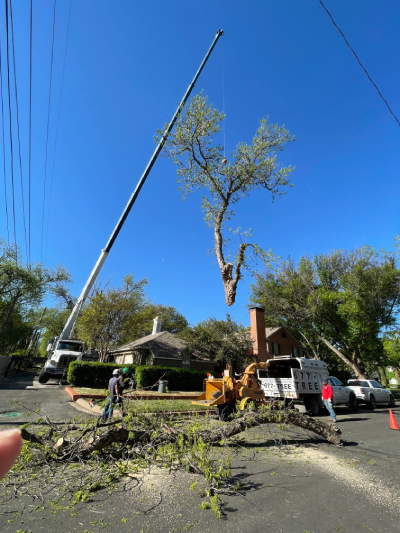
[115, 372]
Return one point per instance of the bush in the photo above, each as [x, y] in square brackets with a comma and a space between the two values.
[179, 379]
[90, 374]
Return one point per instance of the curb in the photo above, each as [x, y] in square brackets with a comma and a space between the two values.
[76, 396]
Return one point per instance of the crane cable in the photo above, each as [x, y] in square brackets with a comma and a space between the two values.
[58, 121]
[10, 122]
[48, 124]
[361, 65]
[19, 140]
[223, 90]
[4, 143]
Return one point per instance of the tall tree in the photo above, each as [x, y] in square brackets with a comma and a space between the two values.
[105, 316]
[343, 299]
[194, 148]
[24, 285]
[391, 345]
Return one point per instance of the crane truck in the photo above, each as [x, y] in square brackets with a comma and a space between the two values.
[62, 350]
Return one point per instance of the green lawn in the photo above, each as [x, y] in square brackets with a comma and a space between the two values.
[157, 406]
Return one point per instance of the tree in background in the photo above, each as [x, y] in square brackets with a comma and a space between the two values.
[140, 324]
[105, 317]
[222, 341]
[391, 345]
[342, 299]
[24, 286]
[202, 165]
[52, 325]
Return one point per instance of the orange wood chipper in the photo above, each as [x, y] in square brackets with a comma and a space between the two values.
[223, 393]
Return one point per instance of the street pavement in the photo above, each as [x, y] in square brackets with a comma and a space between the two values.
[292, 483]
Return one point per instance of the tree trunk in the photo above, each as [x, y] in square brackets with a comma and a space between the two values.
[10, 311]
[230, 284]
[80, 448]
[382, 373]
[360, 374]
[397, 374]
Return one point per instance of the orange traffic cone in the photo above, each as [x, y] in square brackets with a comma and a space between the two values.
[392, 420]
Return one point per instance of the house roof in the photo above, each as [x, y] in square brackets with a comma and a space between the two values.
[271, 331]
[162, 344]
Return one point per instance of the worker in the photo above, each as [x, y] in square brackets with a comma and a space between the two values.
[113, 394]
[327, 396]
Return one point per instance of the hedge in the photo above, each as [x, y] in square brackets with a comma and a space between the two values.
[91, 374]
[179, 379]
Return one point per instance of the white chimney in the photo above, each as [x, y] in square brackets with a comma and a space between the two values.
[156, 325]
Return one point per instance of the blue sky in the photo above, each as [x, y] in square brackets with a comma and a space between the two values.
[129, 63]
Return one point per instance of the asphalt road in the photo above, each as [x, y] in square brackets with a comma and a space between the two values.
[26, 389]
[292, 483]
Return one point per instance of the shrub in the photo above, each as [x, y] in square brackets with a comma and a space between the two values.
[179, 379]
[90, 374]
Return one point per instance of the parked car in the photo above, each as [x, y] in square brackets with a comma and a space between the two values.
[371, 392]
[343, 395]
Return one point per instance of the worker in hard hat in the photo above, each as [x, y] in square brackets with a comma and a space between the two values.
[113, 394]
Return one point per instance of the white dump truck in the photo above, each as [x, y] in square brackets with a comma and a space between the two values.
[60, 354]
[298, 380]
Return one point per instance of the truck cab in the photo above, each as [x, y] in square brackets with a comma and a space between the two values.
[61, 353]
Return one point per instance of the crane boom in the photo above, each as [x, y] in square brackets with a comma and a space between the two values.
[69, 326]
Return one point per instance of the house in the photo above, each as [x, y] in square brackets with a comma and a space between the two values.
[269, 342]
[161, 348]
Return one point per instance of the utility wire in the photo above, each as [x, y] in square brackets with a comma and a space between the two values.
[4, 144]
[58, 121]
[10, 121]
[19, 140]
[361, 65]
[30, 132]
[48, 124]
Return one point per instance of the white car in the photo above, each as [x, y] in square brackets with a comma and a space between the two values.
[342, 395]
[371, 392]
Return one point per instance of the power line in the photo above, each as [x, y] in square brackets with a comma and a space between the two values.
[30, 131]
[4, 144]
[361, 65]
[58, 121]
[48, 124]
[10, 121]
[19, 140]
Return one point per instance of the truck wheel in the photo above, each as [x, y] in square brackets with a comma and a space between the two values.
[43, 376]
[312, 406]
[372, 402]
[354, 405]
[224, 411]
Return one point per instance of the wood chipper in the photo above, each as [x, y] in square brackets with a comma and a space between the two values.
[222, 393]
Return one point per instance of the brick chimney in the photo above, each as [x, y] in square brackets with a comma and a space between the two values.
[257, 321]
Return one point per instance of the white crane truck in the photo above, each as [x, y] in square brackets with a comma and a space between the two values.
[298, 380]
[62, 350]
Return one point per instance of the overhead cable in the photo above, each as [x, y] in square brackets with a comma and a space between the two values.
[4, 144]
[19, 139]
[10, 122]
[361, 65]
[48, 124]
[58, 121]
[30, 135]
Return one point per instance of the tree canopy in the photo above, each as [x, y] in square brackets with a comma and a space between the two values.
[194, 148]
[344, 299]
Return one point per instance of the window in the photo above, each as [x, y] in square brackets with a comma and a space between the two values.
[357, 383]
[284, 335]
[294, 351]
[276, 349]
[185, 361]
[337, 382]
[376, 384]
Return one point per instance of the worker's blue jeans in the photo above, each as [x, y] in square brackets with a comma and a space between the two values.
[108, 409]
[328, 405]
